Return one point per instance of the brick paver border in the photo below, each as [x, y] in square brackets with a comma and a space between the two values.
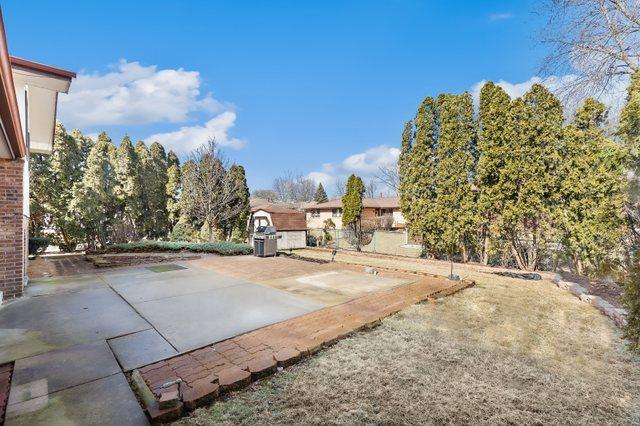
[6, 371]
[170, 388]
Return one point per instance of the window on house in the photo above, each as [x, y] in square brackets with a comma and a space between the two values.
[383, 212]
[315, 213]
[336, 212]
[261, 221]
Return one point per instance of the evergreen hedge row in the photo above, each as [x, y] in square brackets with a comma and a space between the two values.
[219, 247]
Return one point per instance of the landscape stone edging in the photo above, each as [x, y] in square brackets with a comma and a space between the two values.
[617, 315]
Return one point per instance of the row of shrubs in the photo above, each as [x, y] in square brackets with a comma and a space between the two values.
[219, 247]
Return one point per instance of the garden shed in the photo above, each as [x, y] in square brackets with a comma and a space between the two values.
[291, 225]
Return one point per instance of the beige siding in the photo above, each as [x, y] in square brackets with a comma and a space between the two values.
[292, 240]
[369, 214]
[318, 222]
[398, 219]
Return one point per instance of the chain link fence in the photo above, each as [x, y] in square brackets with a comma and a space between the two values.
[383, 242]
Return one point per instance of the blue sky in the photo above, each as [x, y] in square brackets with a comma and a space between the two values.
[319, 88]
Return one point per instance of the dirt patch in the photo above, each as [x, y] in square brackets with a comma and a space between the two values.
[59, 266]
[506, 351]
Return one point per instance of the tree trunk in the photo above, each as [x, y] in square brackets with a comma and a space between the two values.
[485, 248]
[579, 265]
[518, 257]
[65, 238]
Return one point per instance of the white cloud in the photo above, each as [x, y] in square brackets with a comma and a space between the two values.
[502, 16]
[135, 94]
[614, 98]
[187, 138]
[365, 164]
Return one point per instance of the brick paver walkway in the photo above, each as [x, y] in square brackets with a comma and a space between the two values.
[171, 387]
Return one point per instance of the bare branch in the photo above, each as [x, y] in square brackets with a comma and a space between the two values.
[598, 41]
[388, 175]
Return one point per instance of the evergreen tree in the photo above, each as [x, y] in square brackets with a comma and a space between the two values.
[128, 190]
[146, 173]
[85, 143]
[631, 300]
[93, 203]
[158, 192]
[352, 208]
[39, 180]
[493, 149]
[592, 189]
[320, 195]
[453, 208]
[530, 176]
[172, 159]
[417, 172]
[629, 126]
[67, 162]
[174, 187]
[629, 133]
[238, 180]
[405, 190]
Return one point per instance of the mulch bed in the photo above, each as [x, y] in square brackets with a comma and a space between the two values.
[606, 289]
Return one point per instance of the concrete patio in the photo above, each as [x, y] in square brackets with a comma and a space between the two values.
[73, 338]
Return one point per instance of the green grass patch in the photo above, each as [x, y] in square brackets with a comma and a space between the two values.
[224, 248]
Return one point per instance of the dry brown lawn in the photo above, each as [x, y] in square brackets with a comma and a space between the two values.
[504, 352]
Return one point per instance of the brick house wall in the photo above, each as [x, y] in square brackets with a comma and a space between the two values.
[12, 228]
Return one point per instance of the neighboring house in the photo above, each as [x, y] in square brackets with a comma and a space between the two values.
[290, 225]
[383, 212]
[28, 102]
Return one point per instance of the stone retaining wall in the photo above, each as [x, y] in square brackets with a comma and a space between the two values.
[618, 315]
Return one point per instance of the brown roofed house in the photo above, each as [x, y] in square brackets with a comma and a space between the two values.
[382, 209]
[290, 224]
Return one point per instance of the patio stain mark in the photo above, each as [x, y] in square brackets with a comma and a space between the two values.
[166, 268]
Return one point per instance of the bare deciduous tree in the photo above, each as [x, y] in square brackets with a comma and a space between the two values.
[340, 187]
[208, 197]
[597, 41]
[371, 190]
[267, 194]
[388, 176]
[292, 188]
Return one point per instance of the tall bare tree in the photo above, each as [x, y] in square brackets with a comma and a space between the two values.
[267, 194]
[371, 190]
[209, 198]
[388, 176]
[294, 188]
[597, 40]
[340, 187]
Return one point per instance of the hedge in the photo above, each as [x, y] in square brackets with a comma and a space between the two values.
[38, 244]
[220, 247]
